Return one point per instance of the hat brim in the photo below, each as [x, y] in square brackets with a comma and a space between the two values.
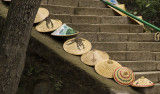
[42, 13]
[72, 49]
[66, 35]
[119, 80]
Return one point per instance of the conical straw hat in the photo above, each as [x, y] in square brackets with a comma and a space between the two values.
[124, 76]
[53, 25]
[143, 82]
[77, 46]
[93, 57]
[64, 30]
[106, 68]
[41, 15]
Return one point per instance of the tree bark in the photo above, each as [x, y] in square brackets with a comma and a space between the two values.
[14, 41]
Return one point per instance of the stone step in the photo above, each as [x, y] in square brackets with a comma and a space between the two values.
[139, 66]
[151, 75]
[127, 46]
[57, 9]
[156, 55]
[60, 9]
[101, 20]
[94, 11]
[151, 90]
[130, 55]
[90, 19]
[118, 37]
[115, 28]
[78, 3]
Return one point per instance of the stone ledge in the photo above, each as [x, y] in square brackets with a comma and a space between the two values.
[51, 49]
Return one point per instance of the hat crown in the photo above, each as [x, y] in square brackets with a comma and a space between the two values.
[142, 77]
[109, 61]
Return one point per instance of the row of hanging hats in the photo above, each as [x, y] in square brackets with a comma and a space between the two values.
[79, 46]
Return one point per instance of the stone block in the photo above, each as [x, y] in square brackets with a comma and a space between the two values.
[86, 19]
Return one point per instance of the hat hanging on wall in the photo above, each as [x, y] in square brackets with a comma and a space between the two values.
[77, 46]
[106, 68]
[93, 57]
[49, 25]
[42, 13]
[64, 30]
[143, 82]
[124, 76]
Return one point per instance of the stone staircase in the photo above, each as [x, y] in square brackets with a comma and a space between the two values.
[119, 36]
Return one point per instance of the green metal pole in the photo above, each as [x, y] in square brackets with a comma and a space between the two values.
[132, 16]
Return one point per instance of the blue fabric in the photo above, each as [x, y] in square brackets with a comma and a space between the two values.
[114, 2]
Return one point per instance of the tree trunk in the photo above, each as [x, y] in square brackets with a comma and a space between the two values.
[14, 41]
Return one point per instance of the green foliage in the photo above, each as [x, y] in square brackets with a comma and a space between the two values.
[149, 9]
[58, 86]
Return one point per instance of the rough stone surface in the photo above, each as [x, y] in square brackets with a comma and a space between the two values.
[41, 88]
[56, 9]
[86, 19]
[139, 66]
[121, 28]
[92, 37]
[64, 2]
[115, 20]
[94, 11]
[85, 27]
[109, 46]
[64, 18]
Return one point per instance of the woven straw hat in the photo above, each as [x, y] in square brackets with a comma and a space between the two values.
[142, 82]
[77, 46]
[124, 76]
[41, 15]
[93, 57]
[52, 25]
[64, 30]
[106, 68]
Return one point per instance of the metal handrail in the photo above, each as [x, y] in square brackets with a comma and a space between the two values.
[132, 16]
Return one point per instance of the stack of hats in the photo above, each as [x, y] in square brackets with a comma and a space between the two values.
[55, 26]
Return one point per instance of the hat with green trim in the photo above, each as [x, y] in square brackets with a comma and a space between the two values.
[143, 82]
[124, 76]
[64, 30]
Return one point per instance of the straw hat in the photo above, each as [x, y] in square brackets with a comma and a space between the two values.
[143, 82]
[52, 25]
[77, 46]
[93, 57]
[106, 68]
[64, 30]
[41, 15]
[124, 76]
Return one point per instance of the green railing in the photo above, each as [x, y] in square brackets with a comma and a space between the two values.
[132, 16]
